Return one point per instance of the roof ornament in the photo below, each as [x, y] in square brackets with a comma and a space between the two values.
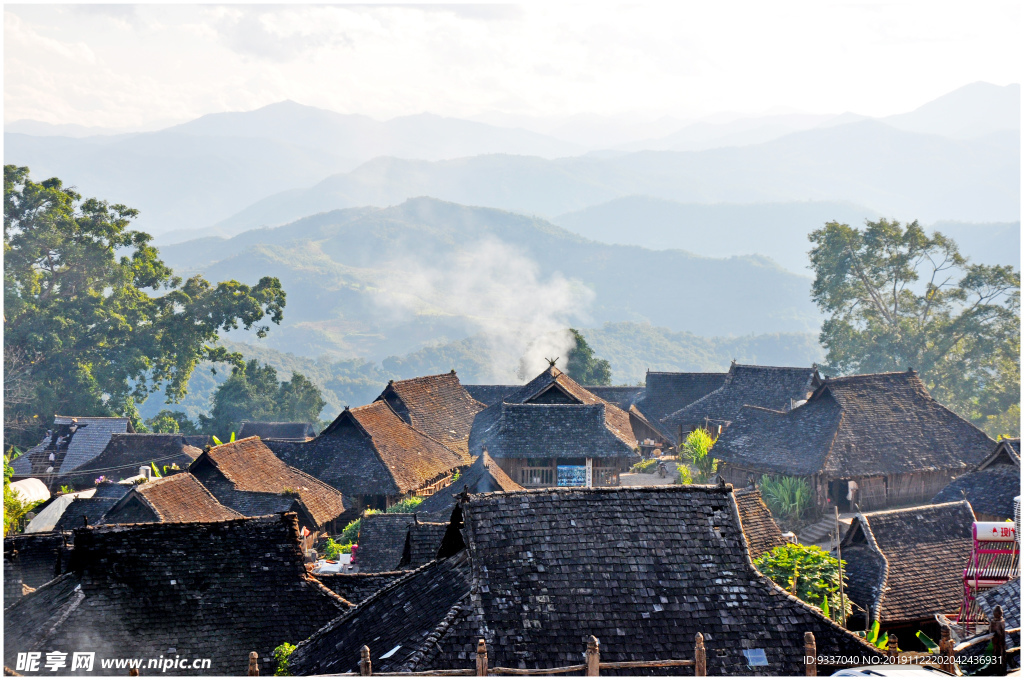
[551, 362]
[464, 496]
[453, 371]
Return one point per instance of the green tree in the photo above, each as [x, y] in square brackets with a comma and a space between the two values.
[253, 392]
[171, 422]
[696, 450]
[84, 329]
[896, 298]
[585, 368]
[807, 572]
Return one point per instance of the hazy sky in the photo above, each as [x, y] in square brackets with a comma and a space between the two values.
[143, 65]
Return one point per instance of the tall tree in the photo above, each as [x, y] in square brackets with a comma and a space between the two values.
[85, 331]
[897, 298]
[583, 366]
[254, 393]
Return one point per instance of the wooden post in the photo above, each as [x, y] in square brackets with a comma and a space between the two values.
[133, 672]
[810, 655]
[254, 664]
[894, 650]
[946, 652]
[481, 658]
[365, 665]
[998, 629]
[700, 660]
[839, 556]
[593, 656]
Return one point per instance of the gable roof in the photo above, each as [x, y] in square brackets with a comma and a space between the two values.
[86, 443]
[196, 590]
[437, 405]
[1006, 596]
[370, 450]
[990, 491]
[551, 386]
[862, 425]
[482, 476]
[665, 393]
[92, 508]
[552, 567]
[263, 429]
[177, 498]
[552, 431]
[382, 541]
[253, 481]
[907, 565]
[773, 387]
[490, 394]
[422, 541]
[759, 527]
[397, 623]
[1006, 452]
[125, 453]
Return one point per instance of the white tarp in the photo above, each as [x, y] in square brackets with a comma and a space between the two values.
[46, 520]
[31, 490]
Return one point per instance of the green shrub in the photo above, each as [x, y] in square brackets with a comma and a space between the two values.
[685, 474]
[697, 450]
[646, 466]
[331, 549]
[282, 654]
[808, 572]
[406, 504]
[788, 498]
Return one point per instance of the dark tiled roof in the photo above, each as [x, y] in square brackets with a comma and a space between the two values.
[666, 393]
[178, 498]
[39, 557]
[922, 552]
[370, 450]
[878, 424]
[622, 396]
[771, 387]
[1006, 452]
[86, 443]
[642, 568]
[437, 405]
[1006, 596]
[552, 386]
[759, 527]
[246, 476]
[382, 541]
[357, 587]
[990, 491]
[482, 476]
[552, 431]
[421, 543]
[126, 453]
[206, 590]
[299, 432]
[490, 394]
[397, 622]
[94, 508]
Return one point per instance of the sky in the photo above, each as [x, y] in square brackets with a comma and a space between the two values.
[146, 66]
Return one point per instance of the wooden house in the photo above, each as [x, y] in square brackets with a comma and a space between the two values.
[178, 498]
[396, 541]
[125, 453]
[665, 393]
[373, 457]
[84, 511]
[882, 432]
[247, 477]
[71, 443]
[774, 387]
[991, 486]
[905, 566]
[483, 476]
[204, 590]
[436, 405]
[553, 432]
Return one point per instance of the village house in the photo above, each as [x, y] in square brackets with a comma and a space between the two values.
[436, 405]
[553, 432]
[865, 441]
[290, 432]
[178, 498]
[90, 509]
[247, 477]
[774, 387]
[208, 590]
[665, 393]
[396, 541]
[905, 566]
[992, 486]
[125, 453]
[622, 396]
[483, 476]
[548, 568]
[373, 457]
[71, 443]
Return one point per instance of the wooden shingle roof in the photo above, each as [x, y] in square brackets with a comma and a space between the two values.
[990, 491]
[199, 590]
[907, 565]
[39, 558]
[862, 425]
[490, 394]
[246, 476]
[126, 452]
[422, 542]
[773, 387]
[87, 442]
[622, 396]
[483, 476]
[356, 587]
[552, 431]
[759, 527]
[382, 541]
[298, 432]
[177, 498]
[437, 405]
[93, 508]
[665, 393]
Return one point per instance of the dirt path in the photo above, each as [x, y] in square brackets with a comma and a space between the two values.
[641, 479]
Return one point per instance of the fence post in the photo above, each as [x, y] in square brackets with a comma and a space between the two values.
[133, 672]
[998, 629]
[593, 656]
[946, 652]
[810, 655]
[481, 658]
[254, 664]
[365, 665]
[700, 660]
[894, 649]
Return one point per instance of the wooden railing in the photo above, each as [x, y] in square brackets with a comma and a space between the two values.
[537, 476]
